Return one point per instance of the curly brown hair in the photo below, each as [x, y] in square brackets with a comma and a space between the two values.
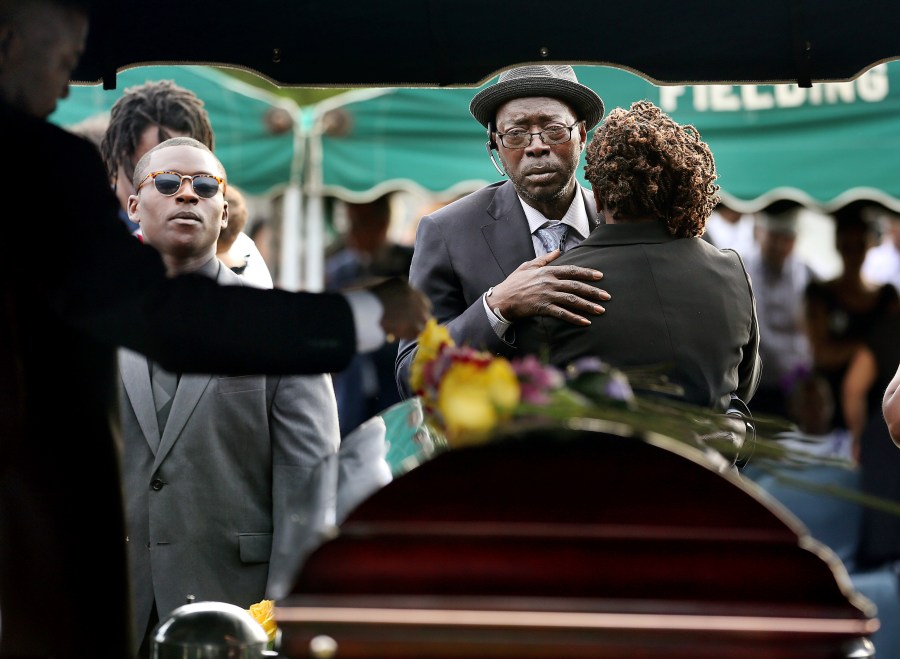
[641, 162]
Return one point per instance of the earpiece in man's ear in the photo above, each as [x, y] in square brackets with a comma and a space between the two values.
[491, 145]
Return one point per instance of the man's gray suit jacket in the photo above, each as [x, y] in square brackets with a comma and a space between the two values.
[218, 503]
[461, 251]
[679, 303]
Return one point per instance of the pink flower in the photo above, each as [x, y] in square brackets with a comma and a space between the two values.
[537, 380]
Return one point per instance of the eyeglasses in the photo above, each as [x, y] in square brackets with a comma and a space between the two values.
[169, 183]
[519, 139]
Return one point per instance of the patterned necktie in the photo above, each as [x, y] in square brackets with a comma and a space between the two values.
[164, 384]
[553, 237]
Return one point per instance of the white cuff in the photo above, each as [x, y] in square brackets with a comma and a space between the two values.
[367, 313]
[498, 323]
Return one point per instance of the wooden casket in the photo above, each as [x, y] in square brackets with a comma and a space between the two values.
[573, 542]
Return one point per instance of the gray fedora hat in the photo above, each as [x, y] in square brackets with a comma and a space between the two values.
[553, 80]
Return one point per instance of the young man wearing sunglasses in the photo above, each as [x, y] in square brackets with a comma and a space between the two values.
[66, 304]
[141, 118]
[223, 528]
[475, 258]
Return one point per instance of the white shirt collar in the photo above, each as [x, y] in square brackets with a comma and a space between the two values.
[576, 217]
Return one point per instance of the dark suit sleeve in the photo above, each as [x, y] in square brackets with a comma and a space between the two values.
[109, 285]
[434, 273]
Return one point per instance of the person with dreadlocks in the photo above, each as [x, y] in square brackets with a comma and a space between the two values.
[141, 118]
[146, 115]
[678, 302]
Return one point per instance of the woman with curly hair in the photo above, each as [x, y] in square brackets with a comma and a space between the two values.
[678, 303]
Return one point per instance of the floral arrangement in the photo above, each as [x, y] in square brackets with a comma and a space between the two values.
[467, 394]
[264, 613]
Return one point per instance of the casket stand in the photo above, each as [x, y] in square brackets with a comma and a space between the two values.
[581, 541]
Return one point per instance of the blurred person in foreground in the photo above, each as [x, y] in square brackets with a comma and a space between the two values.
[233, 526]
[678, 302]
[65, 306]
[141, 118]
[487, 261]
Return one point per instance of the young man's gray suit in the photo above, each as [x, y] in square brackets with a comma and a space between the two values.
[461, 251]
[218, 503]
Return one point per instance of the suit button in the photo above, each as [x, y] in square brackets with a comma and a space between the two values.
[156, 485]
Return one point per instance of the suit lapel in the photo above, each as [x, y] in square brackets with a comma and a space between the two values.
[187, 396]
[190, 388]
[135, 373]
[508, 236]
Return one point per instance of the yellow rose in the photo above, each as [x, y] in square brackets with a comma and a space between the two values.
[465, 407]
[474, 398]
[503, 385]
[430, 341]
[263, 613]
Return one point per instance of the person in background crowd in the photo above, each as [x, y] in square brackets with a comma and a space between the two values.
[728, 228]
[678, 302]
[779, 281]
[65, 307]
[869, 375]
[367, 386]
[882, 262]
[262, 235]
[841, 523]
[811, 404]
[229, 527]
[144, 116]
[841, 311]
[486, 261]
[252, 270]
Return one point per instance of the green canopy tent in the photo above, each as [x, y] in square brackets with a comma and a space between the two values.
[822, 146]
[258, 138]
[258, 159]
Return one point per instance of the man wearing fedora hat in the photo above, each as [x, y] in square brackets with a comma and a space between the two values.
[486, 261]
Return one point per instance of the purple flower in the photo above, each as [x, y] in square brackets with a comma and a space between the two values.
[584, 365]
[618, 387]
[536, 379]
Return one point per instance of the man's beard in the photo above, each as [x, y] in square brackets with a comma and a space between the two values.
[543, 195]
